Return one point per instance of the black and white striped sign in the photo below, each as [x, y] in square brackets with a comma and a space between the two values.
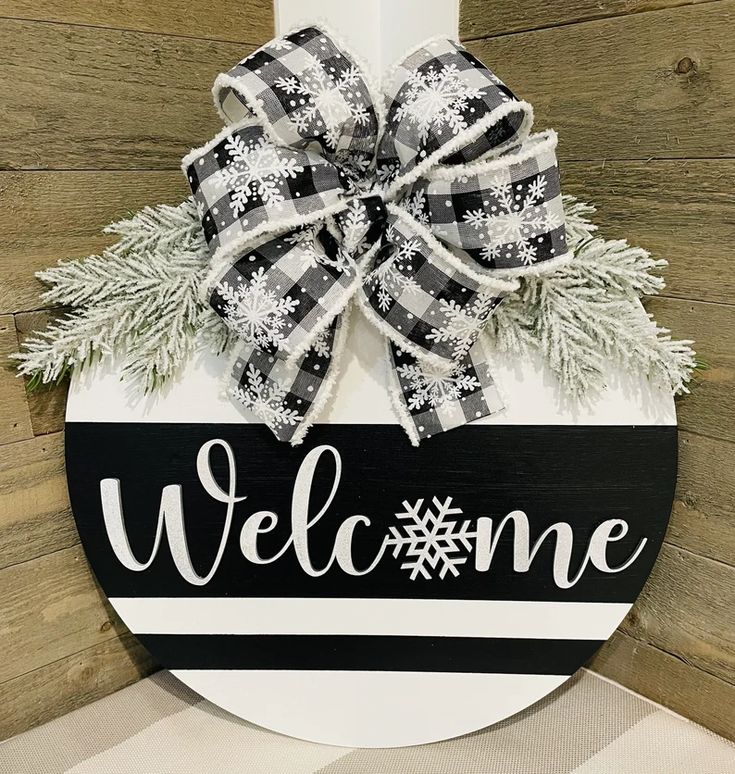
[357, 590]
[224, 551]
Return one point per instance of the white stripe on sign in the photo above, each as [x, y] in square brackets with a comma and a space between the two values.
[386, 617]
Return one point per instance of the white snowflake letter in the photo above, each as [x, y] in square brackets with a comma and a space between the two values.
[432, 538]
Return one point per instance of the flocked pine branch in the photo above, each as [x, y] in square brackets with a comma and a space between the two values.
[139, 298]
[160, 227]
[588, 311]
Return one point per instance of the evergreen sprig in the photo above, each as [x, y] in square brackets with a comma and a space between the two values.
[140, 298]
[589, 312]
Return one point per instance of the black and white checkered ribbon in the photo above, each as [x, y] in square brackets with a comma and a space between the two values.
[421, 207]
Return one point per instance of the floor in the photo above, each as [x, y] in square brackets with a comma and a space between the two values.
[159, 726]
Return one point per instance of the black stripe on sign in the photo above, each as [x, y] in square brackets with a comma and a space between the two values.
[578, 475]
[368, 653]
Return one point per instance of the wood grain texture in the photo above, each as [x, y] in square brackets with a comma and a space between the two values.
[650, 85]
[710, 409]
[681, 210]
[679, 613]
[35, 516]
[703, 520]
[50, 608]
[47, 403]
[49, 216]
[71, 682]
[670, 681]
[483, 18]
[105, 98]
[248, 21]
[15, 420]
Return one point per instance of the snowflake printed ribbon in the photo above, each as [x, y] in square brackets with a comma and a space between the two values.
[421, 208]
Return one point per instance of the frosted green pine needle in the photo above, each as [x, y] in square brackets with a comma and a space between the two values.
[139, 298]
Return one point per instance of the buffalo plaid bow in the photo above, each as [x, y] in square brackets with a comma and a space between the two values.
[422, 207]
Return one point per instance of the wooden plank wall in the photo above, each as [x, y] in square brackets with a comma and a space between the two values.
[101, 99]
[642, 93]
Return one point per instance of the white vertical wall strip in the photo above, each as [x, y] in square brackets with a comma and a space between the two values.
[357, 22]
[378, 30]
[406, 23]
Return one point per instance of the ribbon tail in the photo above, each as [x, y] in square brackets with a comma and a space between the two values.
[428, 401]
[287, 396]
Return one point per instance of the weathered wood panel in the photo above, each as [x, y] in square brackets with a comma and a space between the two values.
[669, 681]
[703, 520]
[710, 409]
[35, 516]
[50, 608]
[680, 210]
[49, 216]
[105, 98]
[15, 421]
[680, 612]
[650, 85]
[481, 18]
[71, 682]
[248, 21]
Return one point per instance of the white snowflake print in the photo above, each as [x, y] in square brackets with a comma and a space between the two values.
[279, 44]
[519, 220]
[431, 388]
[431, 538]
[463, 323]
[255, 312]
[438, 99]
[322, 345]
[311, 254]
[328, 100]
[355, 226]
[388, 278]
[386, 173]
[276, 46]
[255, 170]
[415, 206]
[265, 400]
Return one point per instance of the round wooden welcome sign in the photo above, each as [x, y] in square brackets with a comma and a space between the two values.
[357, 590]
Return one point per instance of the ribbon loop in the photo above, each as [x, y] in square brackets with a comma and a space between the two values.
[307, 201]
[246, 187]
[283, 294]
[310, 94]
[505, 213]
[445, 106]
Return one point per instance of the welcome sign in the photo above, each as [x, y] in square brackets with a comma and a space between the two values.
[357, 590]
